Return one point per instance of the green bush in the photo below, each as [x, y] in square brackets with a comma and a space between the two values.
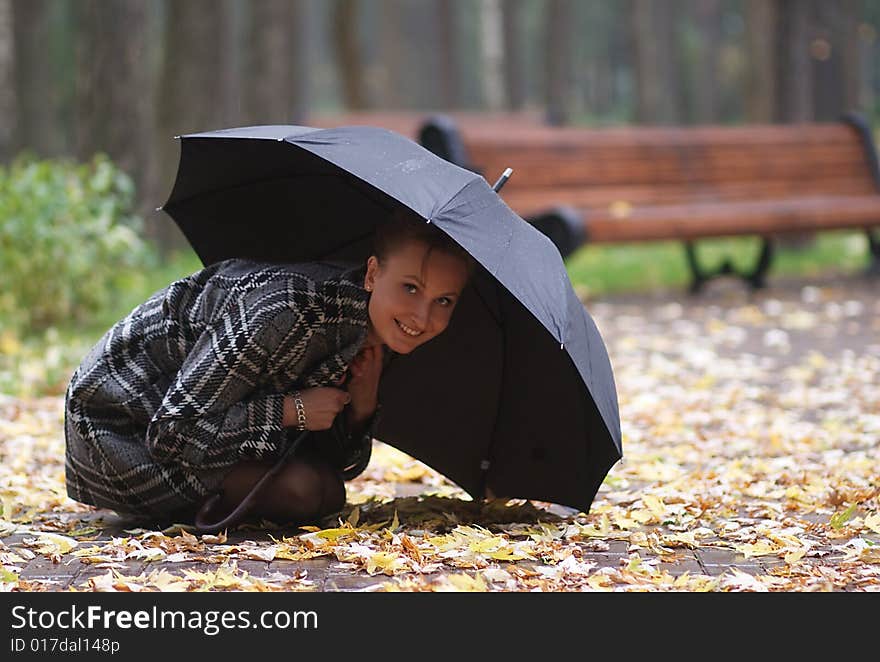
[69, 241]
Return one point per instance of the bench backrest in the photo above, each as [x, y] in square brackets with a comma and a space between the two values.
[590, 168]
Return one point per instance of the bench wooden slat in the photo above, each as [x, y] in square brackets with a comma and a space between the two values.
[527, 202]
[696, 221]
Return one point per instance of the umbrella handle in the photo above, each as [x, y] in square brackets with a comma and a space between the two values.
[503, 179]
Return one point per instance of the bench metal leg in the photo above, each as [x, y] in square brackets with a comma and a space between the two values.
[874, 248]
[756, 278]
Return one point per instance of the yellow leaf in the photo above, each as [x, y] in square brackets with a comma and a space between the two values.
[795, 555]
[642, 516]
[655, 505]
[838, 520]
[601, 530]
[334, 534]
[354, 517]
[508, 554]
[683, 538]
[873, 522]
[464, 582]
[599, 582]
[760, 548]
[486, 545]
[870, 554]
[7, 576]
[52, 543]
[395, 523]
[386, 562]
[622, 522]
[166, 582]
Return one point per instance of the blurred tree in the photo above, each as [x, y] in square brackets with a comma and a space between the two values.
[8, 100]
[514, 69]
[393, 61]
[794, 86]
[834, 53]
[760, 45]
[114, 92]
[190, 85]
[273, 92]
[657, 68]
[492, 42]
[38, 119]
[557, 61]
[348, 56]
[707, 19]
[449, 62]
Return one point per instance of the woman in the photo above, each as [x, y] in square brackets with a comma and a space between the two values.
[195, 394]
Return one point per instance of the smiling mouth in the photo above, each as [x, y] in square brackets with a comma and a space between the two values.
[412, 333]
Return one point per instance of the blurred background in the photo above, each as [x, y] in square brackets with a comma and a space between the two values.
[94, 91]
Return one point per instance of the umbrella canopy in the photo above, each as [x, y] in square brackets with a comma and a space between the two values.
[517, 394]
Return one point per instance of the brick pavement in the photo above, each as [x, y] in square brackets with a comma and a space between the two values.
[856, 333]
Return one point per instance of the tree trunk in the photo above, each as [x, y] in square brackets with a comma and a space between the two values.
[849, 59]
[38, 127]
[302, 61]
[448, 74]
[113, 83]
[190, 85]
[231, 64]
[557, 54]
[272, 88]
[761, 53]
[391, 55]
[658, 86]
[8, 98]
[794, 99]
[492, 42]
[514, 59]
[345, 42]
[708, 19]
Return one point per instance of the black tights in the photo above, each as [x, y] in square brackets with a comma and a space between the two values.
[304, 491]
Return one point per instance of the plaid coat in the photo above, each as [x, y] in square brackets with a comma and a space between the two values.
[193, 380]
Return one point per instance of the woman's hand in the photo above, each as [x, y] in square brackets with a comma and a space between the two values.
[363, 385]
[321, 404]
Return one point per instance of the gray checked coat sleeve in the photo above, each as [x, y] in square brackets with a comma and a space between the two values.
[196, 425]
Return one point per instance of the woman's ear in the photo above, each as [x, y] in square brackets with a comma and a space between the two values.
[370, 276]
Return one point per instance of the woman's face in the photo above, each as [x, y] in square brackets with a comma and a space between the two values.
[413, 294]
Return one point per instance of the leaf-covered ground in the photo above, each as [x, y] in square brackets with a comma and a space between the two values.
[751, 463]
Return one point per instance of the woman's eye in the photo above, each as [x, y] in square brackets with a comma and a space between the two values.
[445, 301]
[409, 287]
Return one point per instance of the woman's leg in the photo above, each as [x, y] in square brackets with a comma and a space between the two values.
[304, 491]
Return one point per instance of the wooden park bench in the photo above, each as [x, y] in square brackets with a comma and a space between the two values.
[677, 183]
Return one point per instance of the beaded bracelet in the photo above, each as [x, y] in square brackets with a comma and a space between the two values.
[300, 411]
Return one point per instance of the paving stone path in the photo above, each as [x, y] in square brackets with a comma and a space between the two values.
[776, 327]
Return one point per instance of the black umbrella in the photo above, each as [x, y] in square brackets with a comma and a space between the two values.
[517, 395]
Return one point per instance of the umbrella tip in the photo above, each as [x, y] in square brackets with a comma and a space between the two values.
[501, 180]
[562, 345]
[177, 137]
[159, 208]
